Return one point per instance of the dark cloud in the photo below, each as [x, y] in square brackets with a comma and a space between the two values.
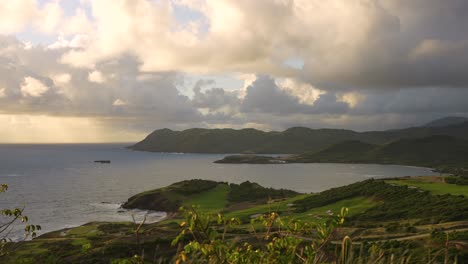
[265, 96]
[213, 98]
[406, 44]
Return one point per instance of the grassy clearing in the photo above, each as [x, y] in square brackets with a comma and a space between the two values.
[279, 206]
[355, 205]
[433, 187]
[210, 201]
[84, 230]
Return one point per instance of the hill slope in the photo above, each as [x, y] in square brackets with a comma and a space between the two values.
[429, 151]
[291, 141]
[433, 151]
[447, 121]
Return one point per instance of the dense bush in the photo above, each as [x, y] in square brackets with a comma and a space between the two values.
[189, 187]
[456, 180]
[253, 192]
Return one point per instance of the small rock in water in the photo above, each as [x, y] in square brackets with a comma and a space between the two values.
[102, 161]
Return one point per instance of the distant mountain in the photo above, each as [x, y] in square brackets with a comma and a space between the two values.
[433, 151]
[295, 140]
[341, 152]
[197, 140]
[447, 121]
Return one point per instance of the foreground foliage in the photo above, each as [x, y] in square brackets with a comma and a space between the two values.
[275, 240]
[10, 217]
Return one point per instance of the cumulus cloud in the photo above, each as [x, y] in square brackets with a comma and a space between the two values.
[96, 76]
[62, 78]
[266, 96]
[35, 82]
[367, 43]
[15, 15]
[33, 87]
[19, 14]
[77, 41]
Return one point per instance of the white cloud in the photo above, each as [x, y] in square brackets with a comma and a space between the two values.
[62, 78]
[78, 24]
[33, 87]
[49, 17]
[2, 92]
[19, 14]
[77, 41]
[119, 102]
[353, 99]
[306, 93]
[15, 15]
[96, 76]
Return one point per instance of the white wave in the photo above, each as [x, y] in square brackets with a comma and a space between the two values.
[373, 175]
[106, 205]
[11, 175]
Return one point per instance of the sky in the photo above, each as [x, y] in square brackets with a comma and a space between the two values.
[115, 70]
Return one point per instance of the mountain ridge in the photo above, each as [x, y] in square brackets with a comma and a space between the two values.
[446, 121]
[295, 140]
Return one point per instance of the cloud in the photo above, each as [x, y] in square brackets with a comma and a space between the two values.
[15, 15]
[62, 78]
[52, 88]
[119, 102]
[33, 87]
[372, 44]
[344, 44]
[96, 76]
[78, 24]
[78, 41]
[214, 98]
[367, 64]
[19, 14]
[266, 96]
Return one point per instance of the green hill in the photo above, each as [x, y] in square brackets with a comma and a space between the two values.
[433, 151]
[447, 121]
[294, 140]
[429, 151]
[341, 152]
[210, 195]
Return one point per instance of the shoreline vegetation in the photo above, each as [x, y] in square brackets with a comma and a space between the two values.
[424, 218]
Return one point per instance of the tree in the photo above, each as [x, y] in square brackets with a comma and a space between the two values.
[11, 216]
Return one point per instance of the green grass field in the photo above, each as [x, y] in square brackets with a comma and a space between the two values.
[210, 201]
[434, 187]
[355, 205]
[266, 208]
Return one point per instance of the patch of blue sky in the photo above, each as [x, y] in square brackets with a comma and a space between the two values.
[185, 15]
[295, 63]
[35, 37]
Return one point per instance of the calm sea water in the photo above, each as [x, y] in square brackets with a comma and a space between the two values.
[60, 185]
